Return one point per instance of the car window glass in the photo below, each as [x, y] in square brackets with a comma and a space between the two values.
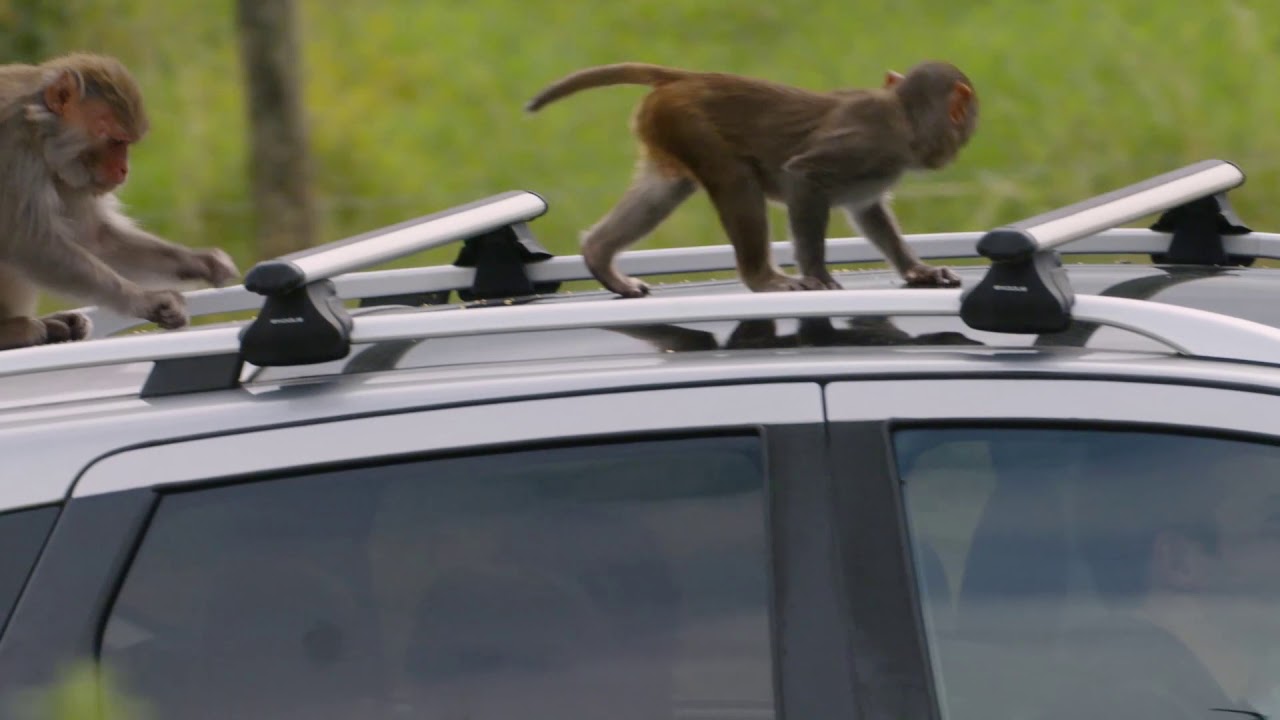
[1073, 573]
[624, 580]
[22, 534]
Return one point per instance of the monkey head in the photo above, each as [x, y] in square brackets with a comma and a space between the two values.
[937, 96]
[99, 112]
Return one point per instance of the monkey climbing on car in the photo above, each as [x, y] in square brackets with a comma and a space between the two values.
[747, 141]
[66, 126]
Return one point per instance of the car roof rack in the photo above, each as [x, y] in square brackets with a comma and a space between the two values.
[302, 320]
[1204, 231]
[1026, 289]
[1185, 330]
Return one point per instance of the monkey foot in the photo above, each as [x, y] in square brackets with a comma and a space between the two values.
[628, 287]
[929, 276]
[66, 327]
[786, 283]
[21, 332]
[54, 328]
[820, 282]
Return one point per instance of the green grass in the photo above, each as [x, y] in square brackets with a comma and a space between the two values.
[415, 106]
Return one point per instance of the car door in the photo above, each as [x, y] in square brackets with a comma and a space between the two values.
[640, 554]
[1063, 548]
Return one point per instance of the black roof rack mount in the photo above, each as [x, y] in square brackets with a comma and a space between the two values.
[1026, 289]
[1198, 228]
[302, 320]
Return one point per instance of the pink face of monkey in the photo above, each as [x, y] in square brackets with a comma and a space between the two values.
[107, 156]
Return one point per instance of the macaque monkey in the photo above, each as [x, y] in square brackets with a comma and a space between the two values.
[65, 130]
[749, 141]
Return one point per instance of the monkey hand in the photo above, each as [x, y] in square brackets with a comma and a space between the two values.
[928, 276]
[166, 308]
[213, 266]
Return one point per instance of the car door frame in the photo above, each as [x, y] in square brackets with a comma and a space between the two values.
[63, 610]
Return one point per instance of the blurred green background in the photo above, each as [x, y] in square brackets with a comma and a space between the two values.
[415, 106]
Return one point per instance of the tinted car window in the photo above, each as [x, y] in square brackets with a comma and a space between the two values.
[1096, 573]
[22, 534]
[623, 580]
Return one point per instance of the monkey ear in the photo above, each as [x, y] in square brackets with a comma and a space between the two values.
[66, 89]
[958, 108]
[892, 78]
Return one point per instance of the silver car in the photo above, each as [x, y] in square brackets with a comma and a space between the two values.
[460, 492]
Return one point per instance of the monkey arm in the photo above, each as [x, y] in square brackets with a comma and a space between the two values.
[147, 258]
[134, 252]
[877, 223]
[56, 261]
[842, 168]
[808, 216]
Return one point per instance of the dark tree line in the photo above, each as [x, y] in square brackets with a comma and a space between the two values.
[280, 169]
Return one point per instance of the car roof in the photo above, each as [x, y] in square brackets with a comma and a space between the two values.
[1249, 293]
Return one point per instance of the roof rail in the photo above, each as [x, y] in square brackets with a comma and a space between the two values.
[438, 281]
[1026, 289]
[303, 321]
[1186, 331]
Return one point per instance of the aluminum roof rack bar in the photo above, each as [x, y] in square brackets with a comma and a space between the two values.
[1185, 330]
[669, 261]
[1026, 290]
[294, 270]
[302, 320]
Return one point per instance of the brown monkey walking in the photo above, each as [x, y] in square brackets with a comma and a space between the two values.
[747, 141]
[65, 130]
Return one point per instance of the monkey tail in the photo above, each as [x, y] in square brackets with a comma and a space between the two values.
[630, 73]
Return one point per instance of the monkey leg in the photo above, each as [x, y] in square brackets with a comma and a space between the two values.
[18, 332]
[651, 197]
[740, 205]
[18, 296]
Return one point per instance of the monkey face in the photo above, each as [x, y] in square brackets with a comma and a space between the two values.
[93, 125]
[108, 162]
[108, 154]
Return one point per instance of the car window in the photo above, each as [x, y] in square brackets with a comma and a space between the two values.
[22, 534]
[1075, 573]
[621, 580]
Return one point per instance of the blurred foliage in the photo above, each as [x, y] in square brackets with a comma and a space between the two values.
[29, 28]
[84, 691]
[417, 106]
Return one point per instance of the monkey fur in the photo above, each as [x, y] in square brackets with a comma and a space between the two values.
[748, 141]
[65, 129]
